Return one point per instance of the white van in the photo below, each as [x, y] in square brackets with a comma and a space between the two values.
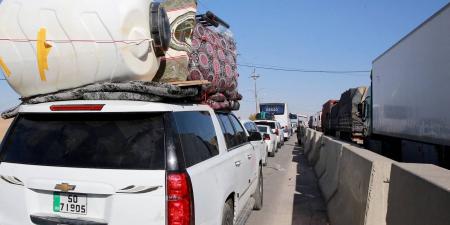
[281, 114]
[127, 162]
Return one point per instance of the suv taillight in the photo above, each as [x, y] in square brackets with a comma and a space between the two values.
[276, 131]
[180, 207]
[266, 137]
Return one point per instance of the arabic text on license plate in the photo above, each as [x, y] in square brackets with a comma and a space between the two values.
[70, 203]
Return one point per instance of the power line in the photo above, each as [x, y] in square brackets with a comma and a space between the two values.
[277, 68]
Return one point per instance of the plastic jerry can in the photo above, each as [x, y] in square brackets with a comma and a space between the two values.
[52, 45]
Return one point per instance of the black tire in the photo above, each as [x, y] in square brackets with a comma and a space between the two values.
[228, 213]
[272, 154]
[259, 193]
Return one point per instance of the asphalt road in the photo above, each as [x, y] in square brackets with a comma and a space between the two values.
[291, 193]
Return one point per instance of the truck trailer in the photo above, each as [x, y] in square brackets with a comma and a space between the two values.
[326, 115]
[406, 110]
[346, 122]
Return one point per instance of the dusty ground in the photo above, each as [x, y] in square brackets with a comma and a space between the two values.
[4, 124]
[291, 193]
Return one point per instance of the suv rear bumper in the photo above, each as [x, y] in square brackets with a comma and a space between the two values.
[52, 220]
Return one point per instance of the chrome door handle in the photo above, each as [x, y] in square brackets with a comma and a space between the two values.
[237, 163]
[249, 156]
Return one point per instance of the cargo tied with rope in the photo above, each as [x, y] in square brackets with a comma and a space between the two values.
[63, 48]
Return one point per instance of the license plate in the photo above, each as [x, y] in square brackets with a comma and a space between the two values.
[70, 203]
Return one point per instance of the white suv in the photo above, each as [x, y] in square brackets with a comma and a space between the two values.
[127, 162]
[258, 141]
[276, 129]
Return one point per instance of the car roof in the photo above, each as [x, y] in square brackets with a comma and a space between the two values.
[115, 106]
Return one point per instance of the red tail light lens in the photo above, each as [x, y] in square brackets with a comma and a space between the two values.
[266, 137]
[179, 200]
[85, 107]
[276, 132]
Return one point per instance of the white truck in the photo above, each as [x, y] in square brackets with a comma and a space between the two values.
[406, 110]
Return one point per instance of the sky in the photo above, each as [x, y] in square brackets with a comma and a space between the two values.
[309, 35]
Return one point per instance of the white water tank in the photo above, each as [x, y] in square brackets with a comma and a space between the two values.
[51, 45]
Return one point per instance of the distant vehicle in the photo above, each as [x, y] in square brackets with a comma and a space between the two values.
[258, 143]
[282, 132]
[270, 138]
[281, 113]
[345, 120]
[317, 124]
[127, 162]
[311, 122]
[276, 129]
[302, 119]
[406, 110]
[326, 116]
[294, 121]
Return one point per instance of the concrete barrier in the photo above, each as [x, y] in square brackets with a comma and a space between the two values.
[362, 191]
[321, 164]
[304, 135]
[314, 153]
[328, 181]
[308, 138]
[419, 194]
[361, 187]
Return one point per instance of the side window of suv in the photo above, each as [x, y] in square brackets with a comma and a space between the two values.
[227, 129]
[241, 136]
[197, 135]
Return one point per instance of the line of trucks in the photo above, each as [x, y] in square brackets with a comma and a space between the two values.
[405, 113]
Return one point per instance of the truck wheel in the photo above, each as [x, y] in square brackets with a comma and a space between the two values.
[259, 193]
[228, 214]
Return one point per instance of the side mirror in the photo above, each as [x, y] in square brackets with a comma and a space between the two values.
[255, 136]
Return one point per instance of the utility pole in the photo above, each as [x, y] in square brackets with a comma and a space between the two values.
[255, 76]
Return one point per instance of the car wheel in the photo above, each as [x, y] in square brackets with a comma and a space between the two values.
[272, 154]
[228, 213]
[259, 193]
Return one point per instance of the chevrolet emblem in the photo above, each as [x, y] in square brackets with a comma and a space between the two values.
[65, 187]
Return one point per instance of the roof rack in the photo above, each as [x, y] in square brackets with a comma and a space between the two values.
[210, 19]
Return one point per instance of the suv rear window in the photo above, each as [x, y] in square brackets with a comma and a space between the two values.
[92, 140]
[262, 129]
[270, 124]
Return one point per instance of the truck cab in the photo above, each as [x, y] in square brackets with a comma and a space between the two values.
[365, 111]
